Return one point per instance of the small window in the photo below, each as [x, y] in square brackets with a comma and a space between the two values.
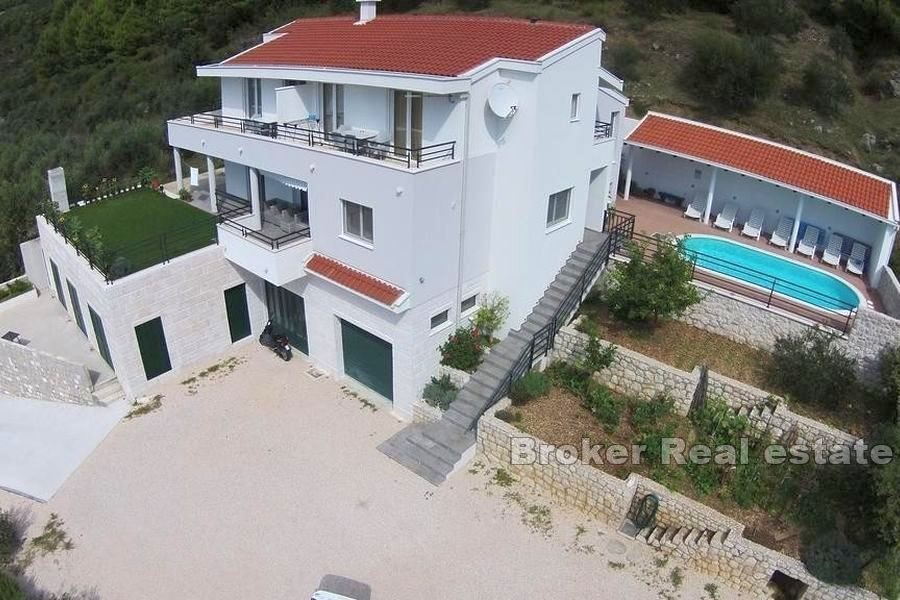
[573, 109]
[358, 221]
[468, 304]
[440, 318]
[558, 207]
[254, 98]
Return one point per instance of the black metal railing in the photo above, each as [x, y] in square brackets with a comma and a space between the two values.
[411, 157]
[233, 207]
[619, 227]
[602, 130]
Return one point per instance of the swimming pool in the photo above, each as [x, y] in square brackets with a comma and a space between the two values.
[761, 268]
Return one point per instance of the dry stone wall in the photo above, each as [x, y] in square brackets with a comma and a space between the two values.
[889, 292]
[35, 375]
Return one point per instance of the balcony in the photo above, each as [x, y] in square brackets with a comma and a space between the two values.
[602, 131]
[349, 140]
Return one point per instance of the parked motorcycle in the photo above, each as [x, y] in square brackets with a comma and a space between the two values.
[276, 341]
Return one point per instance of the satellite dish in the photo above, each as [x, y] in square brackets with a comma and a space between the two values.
[503, 101]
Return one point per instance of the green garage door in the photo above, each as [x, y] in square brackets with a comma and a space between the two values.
[237, 312]
[152, 344]
[288, 312]
[76, 307]
[368, 359]
[100, 334]
[58, 283]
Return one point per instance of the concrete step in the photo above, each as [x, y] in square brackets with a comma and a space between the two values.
[448, 456]
[399, 449]
[450, 436]
[458, 418]
[108, 392]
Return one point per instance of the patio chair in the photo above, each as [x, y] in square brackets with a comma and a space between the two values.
[753, 226]
[810, 242]
[725, 219]
[856, 264]
[781, 237]
[832, 254]
[695, 209]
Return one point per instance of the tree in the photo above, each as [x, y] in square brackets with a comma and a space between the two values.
[812, 368]
[654, 287]
[625, 60]
[767, 17]
[825, 86]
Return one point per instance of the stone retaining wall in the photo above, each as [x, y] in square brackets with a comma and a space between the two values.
[889, 292]
[36, 375]
[459, 378]
[425, 413]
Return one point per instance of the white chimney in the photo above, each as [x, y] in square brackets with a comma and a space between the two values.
[366, 11]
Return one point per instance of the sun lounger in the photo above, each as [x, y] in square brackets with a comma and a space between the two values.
[781, 237]
[725, 220]
[810, 242]
[832, 254]
[753, 226]
[856, 264]
[695, 209]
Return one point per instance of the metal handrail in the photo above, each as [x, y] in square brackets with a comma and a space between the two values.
[243, 208]
[602, 130]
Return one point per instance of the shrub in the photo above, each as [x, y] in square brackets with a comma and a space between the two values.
[604, 405]
[890, 373]
[833, 559]
[472, 5]
[185, 194]
[732, 74]
[840, 43]
[719, 423]
[597, 355]
[749, 486]
[533, 385]
[440, 392]
[508, 415]
[16, 288]
[492, 312]
[645, 414]
[463, 350]
[625, 61]
[767, 17]
[146, 175]
[647, 290]
[887, 488]
[825, 86]
[812, 369]
[10, 538]
[886, 574]
[9, 588]
[568, 376]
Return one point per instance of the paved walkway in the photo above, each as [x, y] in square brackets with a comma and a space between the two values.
[255, 482]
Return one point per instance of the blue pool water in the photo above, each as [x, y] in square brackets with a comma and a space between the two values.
[763, 269]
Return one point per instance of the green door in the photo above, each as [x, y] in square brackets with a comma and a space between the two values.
[58, 283]
[288, 312]
[237, 311]
[76, 307]
[368, 359]
[100, 334]
[152, 343]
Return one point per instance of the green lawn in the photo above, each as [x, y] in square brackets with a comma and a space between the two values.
[142, 228]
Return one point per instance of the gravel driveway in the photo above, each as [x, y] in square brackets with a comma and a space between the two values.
[255, 480]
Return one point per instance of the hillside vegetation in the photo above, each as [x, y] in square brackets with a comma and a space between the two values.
[88, 84]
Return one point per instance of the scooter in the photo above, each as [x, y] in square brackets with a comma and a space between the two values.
[276, 341]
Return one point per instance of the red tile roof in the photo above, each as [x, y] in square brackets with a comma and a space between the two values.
[445, 45]
[755, 156]
[354, 279]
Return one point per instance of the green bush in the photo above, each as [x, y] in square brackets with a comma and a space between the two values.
[508, 415]
[597, 355]
[749, 485]
[463, 350]
[11, 538]
[767, 17]
[440, 392]
[568, 376]
[472, 5]
[9, 588]
[492, 312]
[16, 288]
[886, 480]
[654, 288]
[812, 369]
[533, 384]
[833, 559]
[625, 61]
[825, 86]
[840, 43]
[731, 74]
[886, 574]
[646, 414]
[890, 373]
[604, 405]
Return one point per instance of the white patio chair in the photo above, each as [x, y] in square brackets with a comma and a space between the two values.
[810, 242]
[695, 209]
[725, 219]
[856, 264]
[753, 226]
[781, 237]
[832, 254]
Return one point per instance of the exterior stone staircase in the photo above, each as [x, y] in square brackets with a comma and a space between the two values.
[107, 392]
[675, 537]
[435, 450]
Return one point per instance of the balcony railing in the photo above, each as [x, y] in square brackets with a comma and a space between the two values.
[306, 136]
[602, 130]
[233, 207]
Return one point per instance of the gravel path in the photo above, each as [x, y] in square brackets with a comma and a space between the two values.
[256, 480]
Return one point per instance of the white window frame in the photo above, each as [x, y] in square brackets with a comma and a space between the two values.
[466, 311]
[253, 97]
[555, 218]
[356, 231]
[335, 112]
[445, 312]
[575, 107]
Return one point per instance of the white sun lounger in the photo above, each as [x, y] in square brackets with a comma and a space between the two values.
[753, 226]
[832, 254]
[856, 264]
[810, 242]
[696, 209]
[725, 220]
[781, 237]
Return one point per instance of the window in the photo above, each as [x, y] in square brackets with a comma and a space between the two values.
[558, 207]
[468, 304]
[358, 221]
[407, 121]
[440, 318]
[254, 98]
[333, 105]
[573, 109]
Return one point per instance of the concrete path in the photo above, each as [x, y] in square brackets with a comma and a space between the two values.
[43, 443]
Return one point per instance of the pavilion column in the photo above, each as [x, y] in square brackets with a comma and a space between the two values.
[179, 174]
[211, 176]
[710, 194]
[628, 172]
[796, 230]
[881, 254]
[255, 204]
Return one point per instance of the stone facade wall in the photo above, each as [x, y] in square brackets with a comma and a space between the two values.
[872, 333]
[36, 375]
[422, 412]
[889, 292]
[676, 510]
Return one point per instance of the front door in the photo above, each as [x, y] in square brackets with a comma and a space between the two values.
[368, 359]
[57, 282]
[288, 312]
[100, 334]
[76, 307]
[154, 352]
[237, 312]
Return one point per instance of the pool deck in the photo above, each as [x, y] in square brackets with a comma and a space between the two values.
[655, 217]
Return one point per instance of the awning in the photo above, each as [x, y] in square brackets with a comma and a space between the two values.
[292, 183]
